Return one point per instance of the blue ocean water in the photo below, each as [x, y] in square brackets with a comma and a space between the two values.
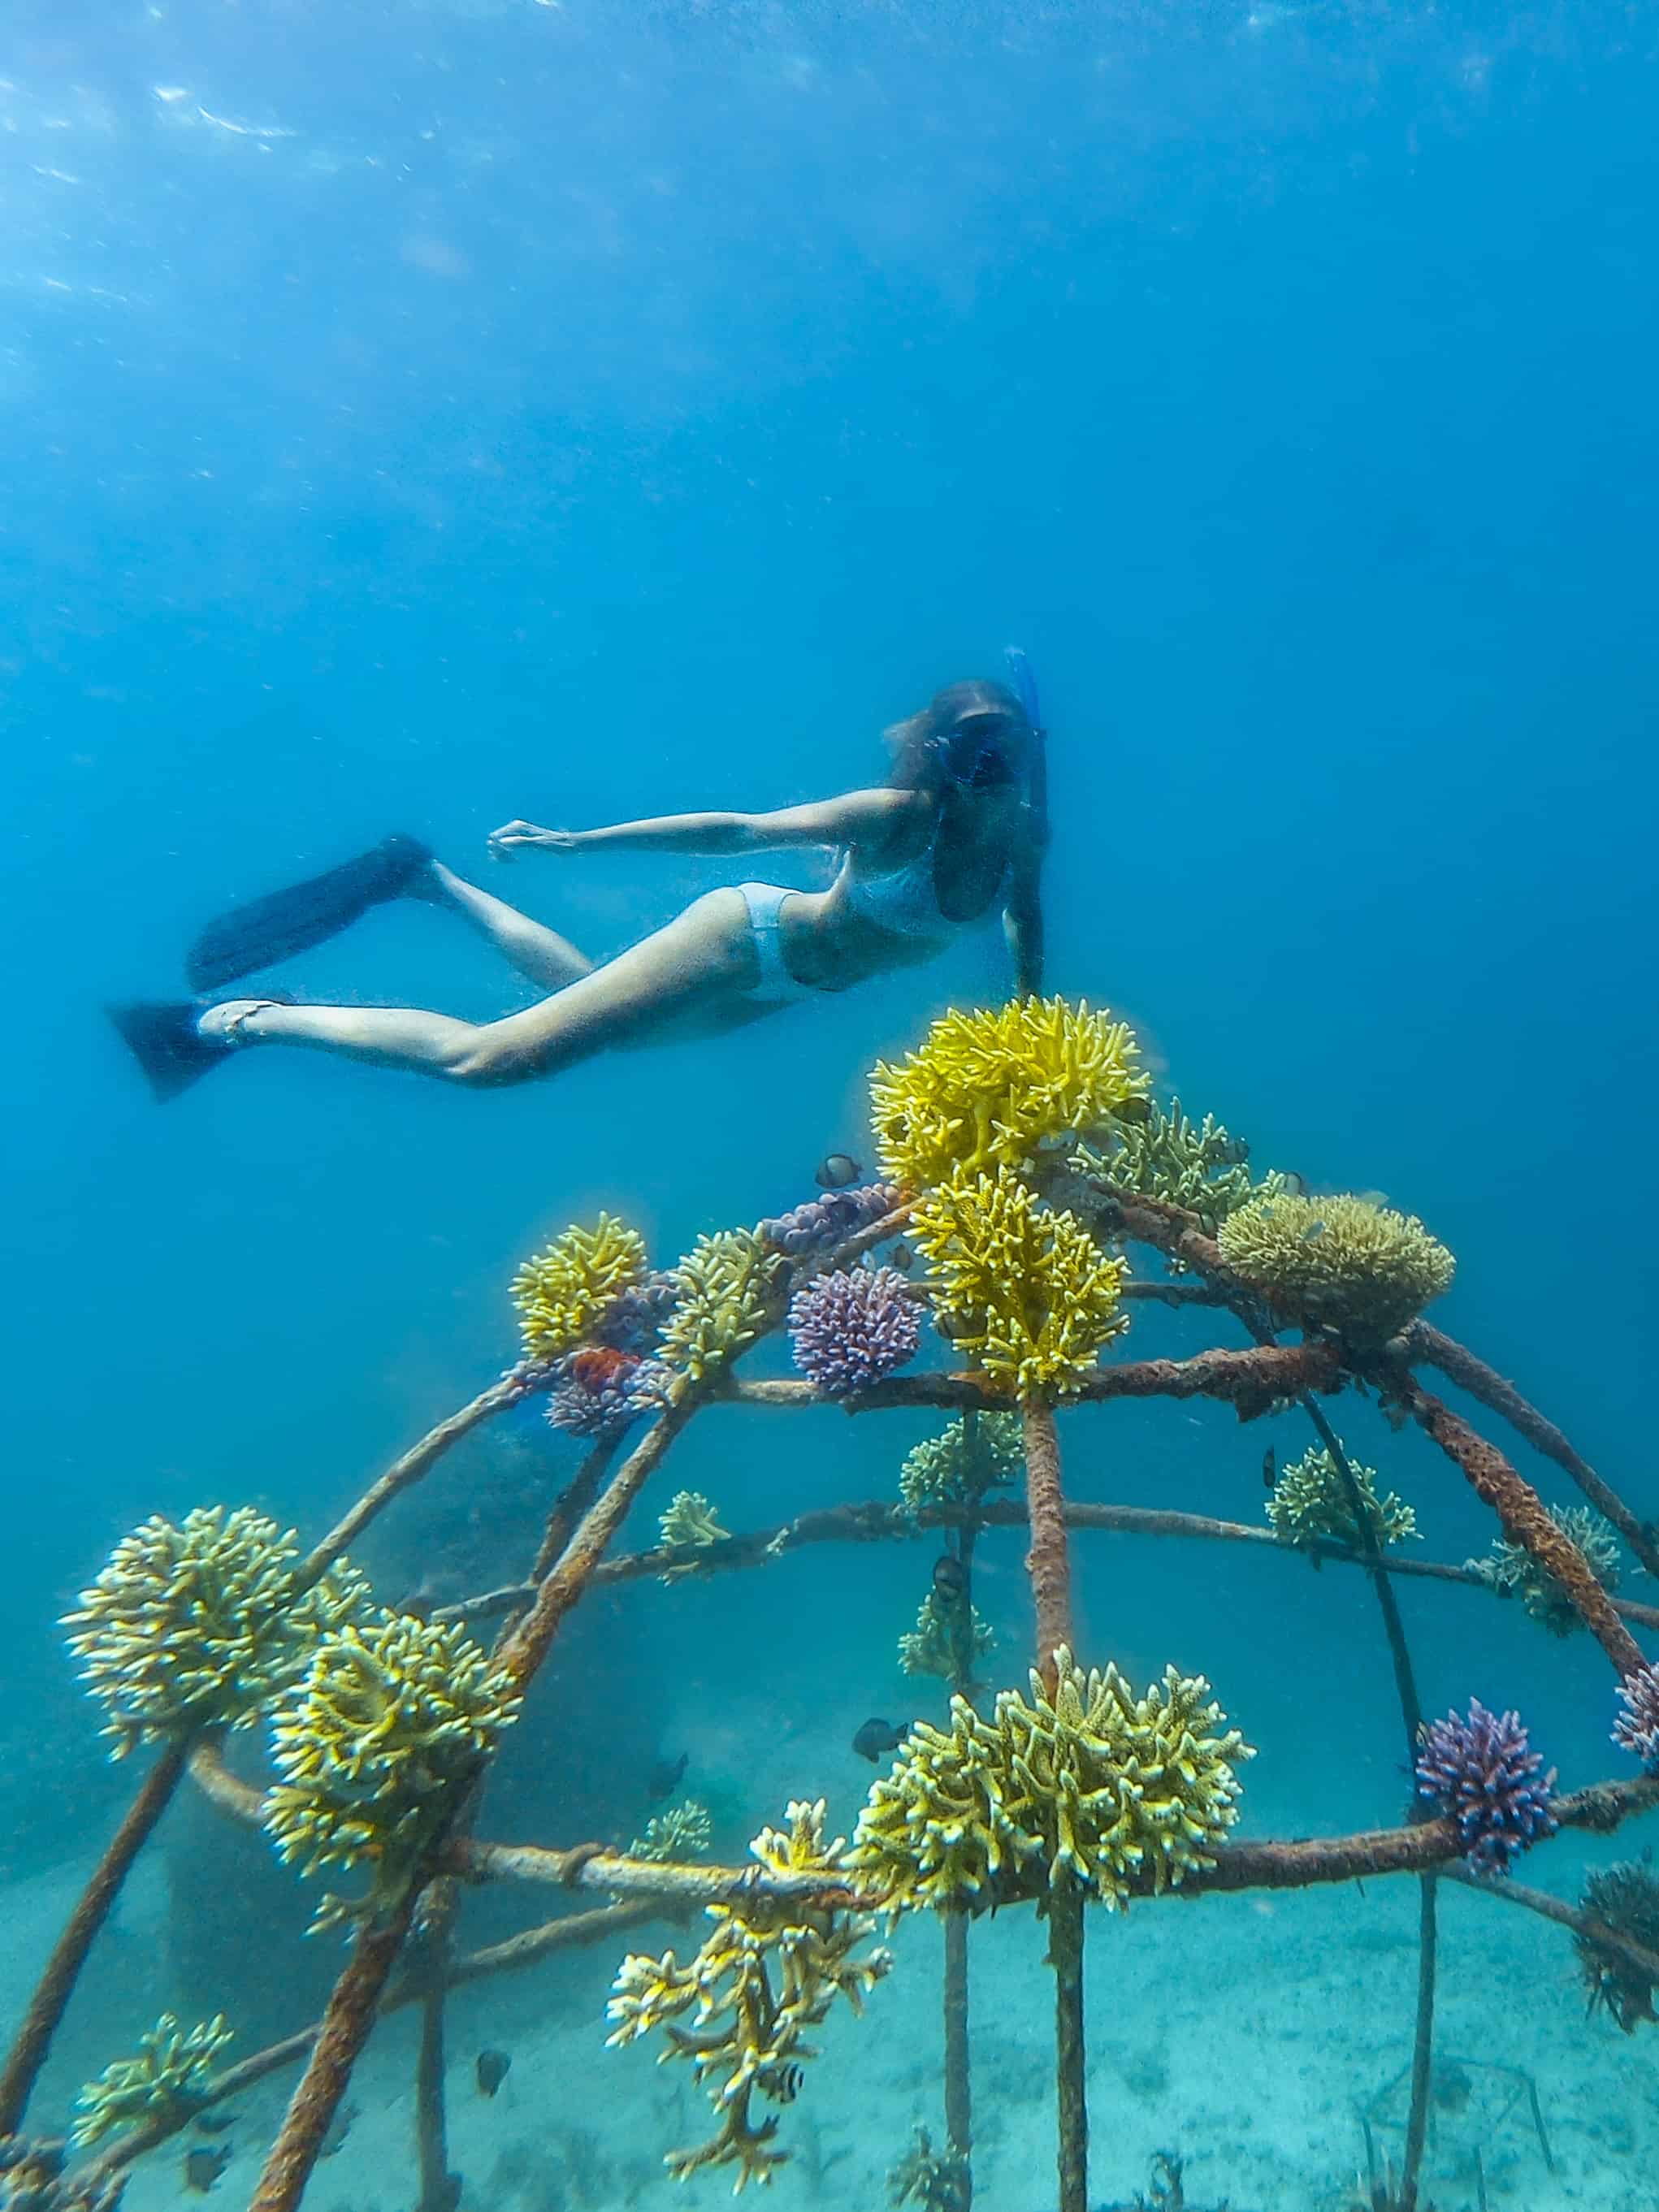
[415, 415]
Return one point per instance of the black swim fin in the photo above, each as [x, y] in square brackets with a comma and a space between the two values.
[275, 927]
[163, 1040]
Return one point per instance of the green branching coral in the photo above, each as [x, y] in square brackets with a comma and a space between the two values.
[937, 2181]
[1310, 1501]
[691, 1524]
[1197, 1165]
[770, 1970]
[949, 1470]
[942, 1642]
[1026, 1292]
[683, 1832]
[986, 1089]
[561, 1292]
[372, 1744]
[200, 1624]
[173, 2068]
[1352, 1266]
[1513, 1572]
[1118, 1793]
[725, 1286]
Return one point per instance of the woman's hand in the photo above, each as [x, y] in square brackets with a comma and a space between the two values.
[515, 836]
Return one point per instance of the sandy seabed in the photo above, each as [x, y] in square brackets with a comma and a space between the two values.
[1246, 2034]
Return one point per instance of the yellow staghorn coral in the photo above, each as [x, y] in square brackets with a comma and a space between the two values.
[388, 1723]
[1344, 1263]
[985, 1089]
[561, 1292]
[1119, 1794]
[199, 1624]
[771, 1969]
[172, 2071]
[948, 1636]
[725, 1286]
[934, 1831]
[1026, 1292]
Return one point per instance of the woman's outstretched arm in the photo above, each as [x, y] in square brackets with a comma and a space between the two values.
[844, 821]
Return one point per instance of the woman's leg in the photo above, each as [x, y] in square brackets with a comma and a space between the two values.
[703, 958]
[530, 946]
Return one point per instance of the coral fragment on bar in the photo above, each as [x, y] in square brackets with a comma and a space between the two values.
[771, 1969]
[172, 2071]
[562, 1290]
[201, 1623]
[988, 1089]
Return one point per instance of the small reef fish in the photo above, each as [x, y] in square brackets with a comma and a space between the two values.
[202, 2167]
[1269, 1468]
[949, 1578]
[780, 2083]
[901, 1257]
[837, 1171]
[664, 1777]
[334, 2141]
[877, 1738]
[490, 2068]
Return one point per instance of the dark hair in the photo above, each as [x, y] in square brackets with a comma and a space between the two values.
[969, 737]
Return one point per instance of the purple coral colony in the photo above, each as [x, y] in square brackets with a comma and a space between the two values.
[1638, 1727]
[1483, 1773]
[849, 1331]
[598, 1391]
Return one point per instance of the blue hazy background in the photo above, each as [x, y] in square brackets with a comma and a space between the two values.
[412, 417]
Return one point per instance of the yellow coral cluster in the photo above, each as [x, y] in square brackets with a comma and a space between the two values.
[173, 2068]
[726, 1284]
[1347, 1263]
[1024, 1291]
[770, 1970]
[200, 1623]
[986, 1089]
[372, 1744]
[1117, 1793]
[561, 1292]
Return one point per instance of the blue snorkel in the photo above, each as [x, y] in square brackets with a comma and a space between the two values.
[1022, 684]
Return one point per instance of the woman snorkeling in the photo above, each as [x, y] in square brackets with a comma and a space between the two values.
[933, 848]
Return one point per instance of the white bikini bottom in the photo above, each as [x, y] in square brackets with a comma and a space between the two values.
[774, 985]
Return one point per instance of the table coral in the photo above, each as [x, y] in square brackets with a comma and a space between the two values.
[561, 1292]
[1024, 1291]
[725, 1288]
[1513, 1572]
[1344, 1263]
[853, 1329]
[371, 1747]
[201, 1623]
[1310, 1501]
[173, 2068]
[988, 1089]
[769, 1970]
